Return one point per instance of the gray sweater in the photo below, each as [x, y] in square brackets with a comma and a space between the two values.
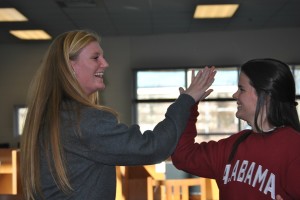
[103, 143]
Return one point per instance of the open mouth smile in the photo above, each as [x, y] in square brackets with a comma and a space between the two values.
[99, 74]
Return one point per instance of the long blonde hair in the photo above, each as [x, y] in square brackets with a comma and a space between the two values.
[53, 82]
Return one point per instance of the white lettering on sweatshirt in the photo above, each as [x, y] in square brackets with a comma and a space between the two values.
[252, 174]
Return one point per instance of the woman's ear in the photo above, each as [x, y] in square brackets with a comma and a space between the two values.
[72, 64]
[74, 73]
[268, 98]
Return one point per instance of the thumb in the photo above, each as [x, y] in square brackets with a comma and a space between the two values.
[181, 90]
[206, 94]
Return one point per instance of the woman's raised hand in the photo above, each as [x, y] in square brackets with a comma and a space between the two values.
[198, 88]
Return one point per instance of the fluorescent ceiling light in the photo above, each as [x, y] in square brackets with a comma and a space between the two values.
[30, 34]
[215, 11]
[11, 15]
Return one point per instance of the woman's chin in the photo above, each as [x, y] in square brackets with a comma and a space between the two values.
[101, 87]
[239, 116]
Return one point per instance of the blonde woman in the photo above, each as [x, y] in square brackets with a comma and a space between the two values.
[71, 144]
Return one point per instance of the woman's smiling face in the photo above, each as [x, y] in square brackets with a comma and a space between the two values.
[89, 68]
[246, 98]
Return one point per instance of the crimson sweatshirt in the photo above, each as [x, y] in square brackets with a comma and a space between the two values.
[263, 166]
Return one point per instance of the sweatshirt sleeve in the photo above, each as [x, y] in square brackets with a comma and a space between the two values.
[104, 140]
[200, 159]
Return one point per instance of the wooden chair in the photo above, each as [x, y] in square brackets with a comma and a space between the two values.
[174, 189]
[10, 172]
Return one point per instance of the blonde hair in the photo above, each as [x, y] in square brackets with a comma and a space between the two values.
[53, 82]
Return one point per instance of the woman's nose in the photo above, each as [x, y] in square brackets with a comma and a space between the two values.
[235, 95]
[104, 63]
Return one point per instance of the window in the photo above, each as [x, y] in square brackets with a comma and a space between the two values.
[297, 78]
[20, 112]
[156, 89]
[297, 81]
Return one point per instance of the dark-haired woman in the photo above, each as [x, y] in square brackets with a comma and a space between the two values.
[261, 163]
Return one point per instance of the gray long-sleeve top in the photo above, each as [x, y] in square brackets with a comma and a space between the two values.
[103, 143]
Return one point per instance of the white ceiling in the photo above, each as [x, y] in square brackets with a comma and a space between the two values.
[146, 17]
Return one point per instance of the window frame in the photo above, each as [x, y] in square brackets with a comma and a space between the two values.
[136, 101]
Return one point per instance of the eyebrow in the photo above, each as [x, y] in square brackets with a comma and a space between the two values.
[241, 86]
[97, 53]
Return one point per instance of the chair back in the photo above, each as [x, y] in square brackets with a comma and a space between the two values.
[174, 189]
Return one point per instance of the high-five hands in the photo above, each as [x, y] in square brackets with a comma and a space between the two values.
[198, 88]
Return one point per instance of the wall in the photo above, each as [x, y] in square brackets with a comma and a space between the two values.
[19, 62]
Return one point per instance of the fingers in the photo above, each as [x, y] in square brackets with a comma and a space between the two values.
[205, 76]
[202, 73]
[193, 74]
[201, 82]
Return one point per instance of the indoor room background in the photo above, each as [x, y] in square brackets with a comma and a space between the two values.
[18, 63]
[142, 35]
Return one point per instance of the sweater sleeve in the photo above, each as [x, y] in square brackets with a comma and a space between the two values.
[186, 139]
[103, 139]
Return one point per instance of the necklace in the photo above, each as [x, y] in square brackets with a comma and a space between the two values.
[271, 129]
